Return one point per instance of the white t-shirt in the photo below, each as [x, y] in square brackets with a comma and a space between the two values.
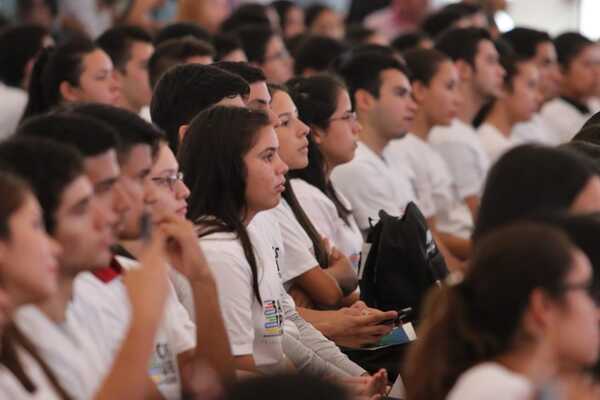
[68, 348]
[11, 388]
[491, 381]
[535, 130]
[435, 184]
[321, 211]
[460, 147]
[13, 104]
[176, 333]
[494, 142]
[298, 248]
[371, 185]
[564, 117]
[254, 329]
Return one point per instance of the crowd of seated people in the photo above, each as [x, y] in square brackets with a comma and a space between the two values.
[189, 190]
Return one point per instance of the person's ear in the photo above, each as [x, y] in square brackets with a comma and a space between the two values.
[318, 134]
[364, 100]
[419, 91]
[540, 315]
[465, 70]
[69, 92]
[182, 131]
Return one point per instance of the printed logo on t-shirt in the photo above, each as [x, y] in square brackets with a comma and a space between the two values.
[273, 318]
[276, 253]
[163, 370]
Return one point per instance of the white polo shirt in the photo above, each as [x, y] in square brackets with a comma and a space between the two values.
[494, 142]
[176, 333]
[565, 117]
[461, 148]
[436, 188]
[491, 381]
[321, 211]
[254, 328]
[11, 388]
[370, 184]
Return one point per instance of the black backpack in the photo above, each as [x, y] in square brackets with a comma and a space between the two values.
[402, 264]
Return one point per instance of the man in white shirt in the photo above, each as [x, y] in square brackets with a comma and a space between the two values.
[381, 95]
[537, 46]
[579, 59]
[130, 48]
[481, 78]
[80, 221]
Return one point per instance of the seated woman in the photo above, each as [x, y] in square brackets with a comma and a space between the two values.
[28, 266]
[549, 180]
[479, 339]
[75, 71]
[230, 162]
[324, 104]
[314, 272]
[521, 100]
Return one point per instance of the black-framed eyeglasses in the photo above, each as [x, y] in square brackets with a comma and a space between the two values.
[169, 181]
[348, 116]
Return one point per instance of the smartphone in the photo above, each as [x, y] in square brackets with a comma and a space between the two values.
[145, 227]
[402, 316]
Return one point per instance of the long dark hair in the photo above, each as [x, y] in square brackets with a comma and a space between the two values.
[316, 98]
[212, 160]
[531, 179]
[13, 192]
[289, 196]
[479, 319]
[53, 66]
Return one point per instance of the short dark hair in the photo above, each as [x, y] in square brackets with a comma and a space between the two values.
[47, 166]
[444, 19]
[548, 180]
[52, 67]
[525, 41]
[313, 12]
[358, 33]
[90, 136]
[174, 52]
[282, 7]
[424, 63]
[569, 45]
[18, 45]
[407, 41]
[131, 129]
[117, 42]
[249, 73]
[179, 30]
[246, 14]
[586, 149]
[363, 71]
[462, 43]
[254, 39]
[224, 44]
[317, 53]
[185, 90]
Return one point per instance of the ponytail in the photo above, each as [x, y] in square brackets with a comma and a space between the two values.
[37, 103]
[316, 239]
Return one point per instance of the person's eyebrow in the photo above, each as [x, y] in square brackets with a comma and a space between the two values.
[81, 204]
[106, 184]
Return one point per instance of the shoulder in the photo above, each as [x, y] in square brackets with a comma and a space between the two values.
[491, 381]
